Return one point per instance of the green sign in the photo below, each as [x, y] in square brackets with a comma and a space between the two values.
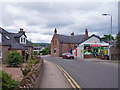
[88, 45]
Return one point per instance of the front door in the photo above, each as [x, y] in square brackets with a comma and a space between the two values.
[95, 52]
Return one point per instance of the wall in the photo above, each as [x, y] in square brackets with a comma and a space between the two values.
[55, 45]
[115, 55]
[65, 48]
[5, 50]
[80, 51]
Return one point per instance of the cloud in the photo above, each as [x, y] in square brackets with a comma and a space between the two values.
[40, 18]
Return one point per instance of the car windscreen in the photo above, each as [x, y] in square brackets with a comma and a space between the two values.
[68, 54]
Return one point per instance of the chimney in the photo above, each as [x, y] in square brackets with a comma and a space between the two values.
[72, 33]
[55, 31]
[86, 33]
[21, 30]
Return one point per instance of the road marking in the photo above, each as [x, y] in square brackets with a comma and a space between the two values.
[69, 78]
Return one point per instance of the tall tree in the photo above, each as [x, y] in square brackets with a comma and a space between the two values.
[118, 40]
[108, 37]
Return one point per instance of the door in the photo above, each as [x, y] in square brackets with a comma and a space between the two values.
[95, 52]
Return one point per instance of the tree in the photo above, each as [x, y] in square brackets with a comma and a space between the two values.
[14, 58]
[117, 44]
[108, 37]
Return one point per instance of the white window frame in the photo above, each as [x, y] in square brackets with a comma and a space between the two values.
[22, 39]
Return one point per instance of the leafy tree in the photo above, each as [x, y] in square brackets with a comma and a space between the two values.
[14, 58]
[46, 50]
[118, 41]
[108, 37]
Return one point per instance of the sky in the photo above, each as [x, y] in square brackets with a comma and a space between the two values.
[40, 18]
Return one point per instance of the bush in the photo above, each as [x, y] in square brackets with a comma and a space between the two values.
[35, 52]
[7, 82]
[14, 58]
[60, 55]
[33, 60]
[27, 69]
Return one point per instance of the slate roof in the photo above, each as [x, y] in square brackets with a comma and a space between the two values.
[70, 39]
[13, 40]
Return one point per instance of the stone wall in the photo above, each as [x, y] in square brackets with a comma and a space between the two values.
[114, 53]
[5, 50]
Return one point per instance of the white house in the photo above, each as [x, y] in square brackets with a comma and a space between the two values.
[92, 47]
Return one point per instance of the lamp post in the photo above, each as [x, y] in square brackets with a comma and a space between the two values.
[111, 28]
[111, 25]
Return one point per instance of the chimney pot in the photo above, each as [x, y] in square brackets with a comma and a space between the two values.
[72, 33]
[21, 30]
[86, 33]
[55, 31]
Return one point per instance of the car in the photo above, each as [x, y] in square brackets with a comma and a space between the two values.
[67, 56]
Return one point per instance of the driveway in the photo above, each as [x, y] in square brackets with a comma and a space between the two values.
[89, 74]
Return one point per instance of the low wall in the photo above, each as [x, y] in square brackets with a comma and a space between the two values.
[88, 56]
[33, 78]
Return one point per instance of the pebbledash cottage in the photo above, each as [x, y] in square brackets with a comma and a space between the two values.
[14, 42]
[61, 43]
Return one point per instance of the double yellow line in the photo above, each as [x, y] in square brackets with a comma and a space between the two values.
[69, 78]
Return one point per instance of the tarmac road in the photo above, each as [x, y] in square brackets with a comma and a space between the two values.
[89, 74]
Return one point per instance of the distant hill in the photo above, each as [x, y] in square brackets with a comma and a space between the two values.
[42, 44]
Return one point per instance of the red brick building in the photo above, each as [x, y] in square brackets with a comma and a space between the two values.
[63, 43]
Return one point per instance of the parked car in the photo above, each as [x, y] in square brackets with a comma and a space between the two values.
[67, 56]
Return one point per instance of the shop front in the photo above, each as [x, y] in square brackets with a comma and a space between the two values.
[95, 51]
[92, 47]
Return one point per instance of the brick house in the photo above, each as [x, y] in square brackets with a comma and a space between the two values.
[14, 42]
[62, 43]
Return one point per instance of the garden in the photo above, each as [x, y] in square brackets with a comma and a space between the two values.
[15, 69]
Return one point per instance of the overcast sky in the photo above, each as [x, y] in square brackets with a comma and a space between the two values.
[39, 19]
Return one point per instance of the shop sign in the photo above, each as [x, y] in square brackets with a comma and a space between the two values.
[94, 45]
[88, 45]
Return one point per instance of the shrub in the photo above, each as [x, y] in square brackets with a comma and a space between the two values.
[33, 60]
[27, 69]
[7, 82]
[60, 55]
[14, 58]
[35, 52]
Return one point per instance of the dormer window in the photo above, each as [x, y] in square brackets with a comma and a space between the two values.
[7, 37]
[22, 39]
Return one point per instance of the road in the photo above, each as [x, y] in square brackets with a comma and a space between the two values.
[89, 74]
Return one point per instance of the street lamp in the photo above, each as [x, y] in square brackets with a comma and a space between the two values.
[111, 23]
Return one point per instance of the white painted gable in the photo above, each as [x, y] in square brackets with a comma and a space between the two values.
[93, 39]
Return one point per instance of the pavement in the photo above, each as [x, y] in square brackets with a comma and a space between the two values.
[53, 77]
[100, 60]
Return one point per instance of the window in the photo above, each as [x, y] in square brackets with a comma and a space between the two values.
[7, 37]
[22, 40]
[54, 50]
[0, 54]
